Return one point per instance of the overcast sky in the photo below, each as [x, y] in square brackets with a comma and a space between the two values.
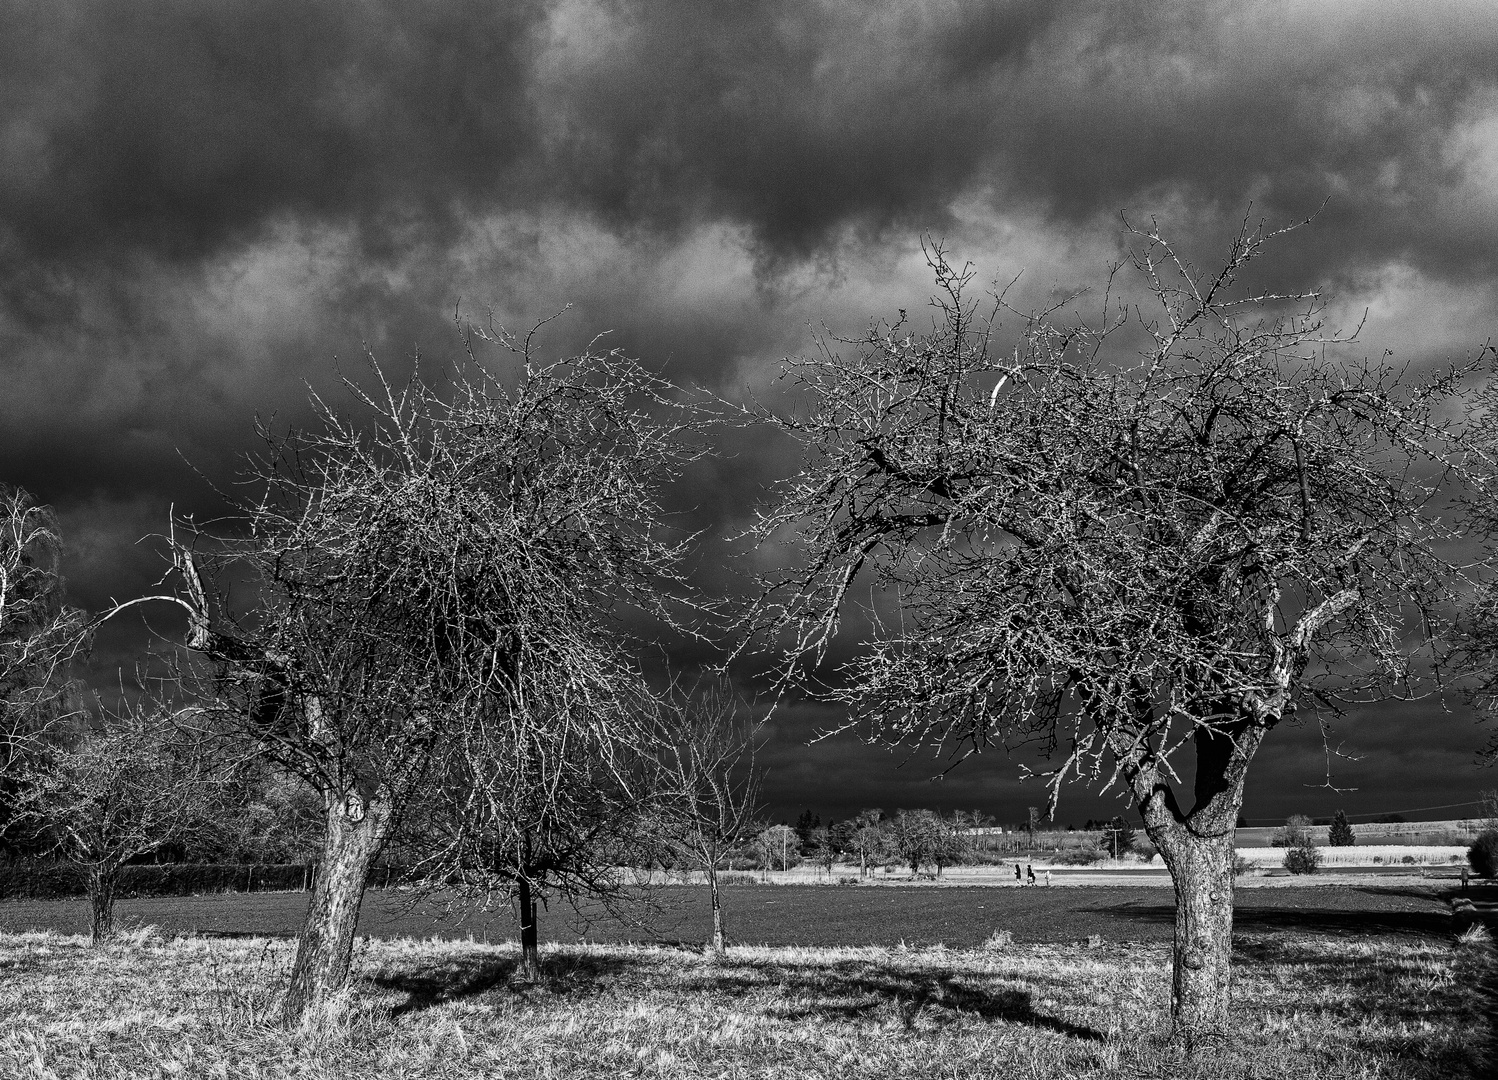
[206, 206]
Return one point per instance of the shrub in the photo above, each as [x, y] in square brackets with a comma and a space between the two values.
[1302, 859]
[999, 939]
[1084, 856]
[1241, 865]
[1483, 855]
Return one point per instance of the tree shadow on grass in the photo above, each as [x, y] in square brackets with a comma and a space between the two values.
[852, 990]
[469, 977]
[1311, 920]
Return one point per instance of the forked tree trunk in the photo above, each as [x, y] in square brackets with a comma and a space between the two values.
[1197, 849]
[356, 829]
[530, 952]
[715, 943]
[102, 883]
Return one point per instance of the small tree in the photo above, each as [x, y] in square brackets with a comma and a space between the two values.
[526, 810]
[778, 847]
[1296, 832]
[913, 837]
[950, 843]
[1119, 835]
[868, 840]
[824, 848]
[122, 789]
[1340, 834]
[1139, 560]
[714, 785]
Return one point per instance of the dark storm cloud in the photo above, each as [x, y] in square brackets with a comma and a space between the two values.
[202, 204]
[178, 127]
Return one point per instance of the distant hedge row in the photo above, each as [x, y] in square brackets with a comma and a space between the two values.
[36, 879]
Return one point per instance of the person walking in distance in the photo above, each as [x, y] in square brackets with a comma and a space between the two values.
[1017, 875]
[1029, 874]
[1047, 879]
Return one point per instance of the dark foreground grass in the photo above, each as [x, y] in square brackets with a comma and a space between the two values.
[1308, 1005]
[960, 917]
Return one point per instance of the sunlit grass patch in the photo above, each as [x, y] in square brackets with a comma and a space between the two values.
[1310, 1006]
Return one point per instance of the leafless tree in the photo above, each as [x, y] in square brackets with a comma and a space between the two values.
[715, 784]
[779, 847]
[39, 634]
[526, 807]
[913, 836]
[133, 781]
[1127, 561]
[868, 840]
[444, 565]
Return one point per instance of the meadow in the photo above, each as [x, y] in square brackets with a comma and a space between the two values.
[777, 915]
[1308, 1005]
[1333, 981]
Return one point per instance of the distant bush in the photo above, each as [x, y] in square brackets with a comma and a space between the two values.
[1083, 856]
[1302, 859]
[1241, 865]
[1483, 855]
[736, 877]
[42, 879]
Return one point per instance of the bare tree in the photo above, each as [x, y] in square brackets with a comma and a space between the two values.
[451, 558]
[779, 847]
[39, 633]
[715, 784]
[868, 840]
[527, 807]
[824, 848]
[913, 837]
[135, 781]
[1128, 562]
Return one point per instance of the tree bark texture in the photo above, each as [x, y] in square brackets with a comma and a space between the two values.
[1198, 851]
[356, 829]
[102, 882]
[715, 943]
[530, 953]
[1201, 868]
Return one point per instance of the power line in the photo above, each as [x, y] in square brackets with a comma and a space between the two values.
[1409, 810]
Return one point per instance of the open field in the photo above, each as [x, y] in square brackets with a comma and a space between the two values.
[1307, 1005]
[959, 917]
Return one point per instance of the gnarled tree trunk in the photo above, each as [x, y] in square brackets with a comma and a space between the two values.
[356, 829]
[102, 883]
[1201, 868]
[1198, 850]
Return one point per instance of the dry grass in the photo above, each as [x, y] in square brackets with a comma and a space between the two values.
[1311, 1006]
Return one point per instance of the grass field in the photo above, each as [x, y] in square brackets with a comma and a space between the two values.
[1332, 981]
[1308, 1005]
[786, 916]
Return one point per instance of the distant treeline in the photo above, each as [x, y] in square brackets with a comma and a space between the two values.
[46, 879]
